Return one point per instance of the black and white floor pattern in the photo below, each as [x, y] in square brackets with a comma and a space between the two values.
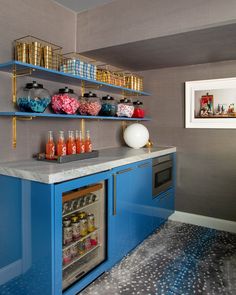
[178, 259]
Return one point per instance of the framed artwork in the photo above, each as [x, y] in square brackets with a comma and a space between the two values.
[210, 103]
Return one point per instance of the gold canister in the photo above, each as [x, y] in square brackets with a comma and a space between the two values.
[22, 52]
[47, 57]
[35, 53]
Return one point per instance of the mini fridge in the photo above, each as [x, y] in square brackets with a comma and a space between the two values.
[83, 231]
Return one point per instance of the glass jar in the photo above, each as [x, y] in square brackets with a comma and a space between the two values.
[33, 98]
[109, 106]
[65, 101]
[90, 104]
[138, 109]
[125, 108]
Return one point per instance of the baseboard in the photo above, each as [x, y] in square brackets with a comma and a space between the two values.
[10, 271]
[220, 224]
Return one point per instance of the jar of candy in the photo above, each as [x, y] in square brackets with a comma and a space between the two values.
[90, 104]
[109, 106]
[65, 101]
[125, 108]
[138, 109]
[33, 98]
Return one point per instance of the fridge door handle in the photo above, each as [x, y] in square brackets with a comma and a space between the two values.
[114, 194]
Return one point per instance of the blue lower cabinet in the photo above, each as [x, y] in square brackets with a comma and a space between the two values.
[26, 231]
[131, 216]
[163, 207]
[34, 252]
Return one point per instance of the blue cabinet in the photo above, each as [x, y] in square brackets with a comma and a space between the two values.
[163, 206]
[31, 236]
[31, 226]
[131, 219]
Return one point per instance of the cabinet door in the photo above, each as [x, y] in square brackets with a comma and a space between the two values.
[163, 207]
[142, 223]
[26, 230]
[132, 215]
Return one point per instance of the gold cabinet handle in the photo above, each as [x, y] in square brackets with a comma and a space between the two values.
[125, 170]
[114, 194]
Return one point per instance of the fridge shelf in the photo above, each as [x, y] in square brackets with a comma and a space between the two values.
[81, 192]
[75, 242]
[80, 257]
[79, 209]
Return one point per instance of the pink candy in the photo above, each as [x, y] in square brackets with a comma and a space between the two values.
[63, 103]
[90, 108]
[124, 110]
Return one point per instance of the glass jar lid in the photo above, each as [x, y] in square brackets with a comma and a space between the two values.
[66, 90]
[34, 84]
[137, 102]
[125, 100]
[90, 94]
[107, 97]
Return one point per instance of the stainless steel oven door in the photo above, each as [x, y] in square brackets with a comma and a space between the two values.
[161, 177]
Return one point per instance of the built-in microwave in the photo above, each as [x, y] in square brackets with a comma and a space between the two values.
[162, 174]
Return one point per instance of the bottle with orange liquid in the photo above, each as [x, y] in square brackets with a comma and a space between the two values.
[61, 145]
[88, 143]
[50, 147]
[71, 145]
[79, 142]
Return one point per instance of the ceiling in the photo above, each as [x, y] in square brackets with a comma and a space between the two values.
[82, 5]
[196, 47]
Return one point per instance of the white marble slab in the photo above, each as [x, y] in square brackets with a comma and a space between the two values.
[53, 173]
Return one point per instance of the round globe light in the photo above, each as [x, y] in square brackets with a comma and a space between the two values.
[136, 135]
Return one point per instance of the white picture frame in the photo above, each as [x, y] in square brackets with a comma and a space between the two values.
[224, 89]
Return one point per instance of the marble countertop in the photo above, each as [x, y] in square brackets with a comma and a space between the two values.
[53, 172]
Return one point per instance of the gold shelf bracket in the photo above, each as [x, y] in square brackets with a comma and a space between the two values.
[82, 127]
[14, 132]
[22, 73]
[14, 128]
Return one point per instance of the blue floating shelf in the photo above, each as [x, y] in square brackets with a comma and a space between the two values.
[48, 115]
[65, 78]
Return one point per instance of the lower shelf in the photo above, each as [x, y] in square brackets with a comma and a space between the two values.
[49, 115]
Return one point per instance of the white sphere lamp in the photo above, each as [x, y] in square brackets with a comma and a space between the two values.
[136, 135]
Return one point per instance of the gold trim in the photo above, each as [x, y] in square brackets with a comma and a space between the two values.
[82, 127]
[14, 132]
[82, 88]
[14, 85]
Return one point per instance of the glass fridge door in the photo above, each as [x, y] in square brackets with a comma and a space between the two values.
[83, 231]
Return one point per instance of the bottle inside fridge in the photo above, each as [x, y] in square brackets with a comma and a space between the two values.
[84, 240]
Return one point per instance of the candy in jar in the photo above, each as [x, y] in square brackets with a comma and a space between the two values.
[125, 108]
[138, 109]
[65, 101]
[90, 104]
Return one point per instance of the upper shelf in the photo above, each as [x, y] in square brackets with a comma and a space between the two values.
[65, 78]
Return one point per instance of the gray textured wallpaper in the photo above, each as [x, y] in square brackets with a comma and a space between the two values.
[206, 158]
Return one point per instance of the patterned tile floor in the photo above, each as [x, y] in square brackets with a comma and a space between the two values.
[178, 259]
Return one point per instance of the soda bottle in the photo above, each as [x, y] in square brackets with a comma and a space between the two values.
[88, 143]
[79, 142]
[71, 145]
[61, 145]
[50, 147]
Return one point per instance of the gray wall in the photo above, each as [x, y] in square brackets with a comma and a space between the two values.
[47, 20]
[206, 158]
[127, 21]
